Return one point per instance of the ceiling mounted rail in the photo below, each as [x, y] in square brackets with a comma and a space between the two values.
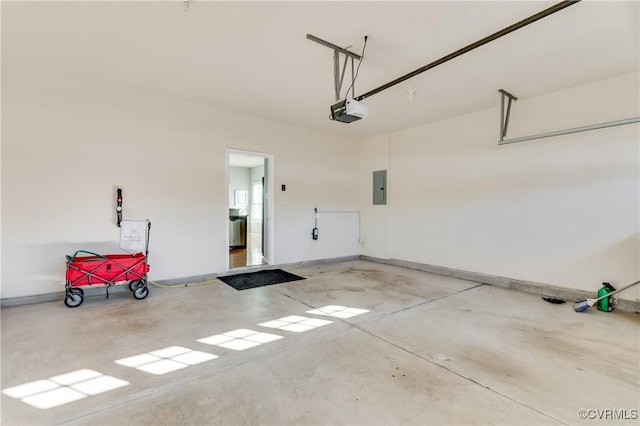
[572, 130]
[531, 19]
[504, 123]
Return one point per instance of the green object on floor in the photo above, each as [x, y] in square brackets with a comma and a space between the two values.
[605, 304]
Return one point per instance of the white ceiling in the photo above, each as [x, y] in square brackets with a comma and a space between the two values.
[253, 57]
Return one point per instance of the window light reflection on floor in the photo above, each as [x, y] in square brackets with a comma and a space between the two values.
[65, 388]
[239, 339]
[166, 360]
[338, 311]
[296, 323]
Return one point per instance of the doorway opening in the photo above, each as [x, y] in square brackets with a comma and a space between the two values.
[250, 201]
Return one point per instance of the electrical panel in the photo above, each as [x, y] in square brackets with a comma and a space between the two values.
[380, 188]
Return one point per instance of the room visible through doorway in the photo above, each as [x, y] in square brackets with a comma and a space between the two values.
[248, 209]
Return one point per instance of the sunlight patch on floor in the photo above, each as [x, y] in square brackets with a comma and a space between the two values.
[240, 339]
[64, 388]
[296, 323]
[166, 360]
[338, 311]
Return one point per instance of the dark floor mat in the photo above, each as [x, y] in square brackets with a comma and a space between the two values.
[259, 279]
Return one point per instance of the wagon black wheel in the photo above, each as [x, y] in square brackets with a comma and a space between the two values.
[77, 290]
[133, 284]
[73, 299]
[141, 292]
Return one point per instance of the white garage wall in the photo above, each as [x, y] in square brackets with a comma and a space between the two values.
[68, 142]
[562, 211]
[374, 155]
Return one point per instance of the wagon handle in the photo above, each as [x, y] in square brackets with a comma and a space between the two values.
[72, 258]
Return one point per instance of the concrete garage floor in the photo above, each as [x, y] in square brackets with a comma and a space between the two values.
[430, 350]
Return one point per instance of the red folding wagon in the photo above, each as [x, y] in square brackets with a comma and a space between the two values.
[109, 269]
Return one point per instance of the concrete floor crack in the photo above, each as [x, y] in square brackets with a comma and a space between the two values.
[435, 299]
[452, 371]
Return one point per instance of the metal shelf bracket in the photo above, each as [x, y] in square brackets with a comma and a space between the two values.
[504, 118]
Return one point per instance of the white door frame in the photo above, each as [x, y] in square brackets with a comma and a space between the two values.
[269, 198]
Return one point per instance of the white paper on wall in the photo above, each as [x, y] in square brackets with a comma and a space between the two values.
[133, 235]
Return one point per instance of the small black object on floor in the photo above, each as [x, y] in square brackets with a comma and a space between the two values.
[554, 301]
[259, 279]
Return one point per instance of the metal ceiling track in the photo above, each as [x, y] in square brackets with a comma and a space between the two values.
[572, 130]
[511, 28]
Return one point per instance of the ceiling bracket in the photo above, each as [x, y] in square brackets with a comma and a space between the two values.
[337, 81]
[504, 117]
[338, 78]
